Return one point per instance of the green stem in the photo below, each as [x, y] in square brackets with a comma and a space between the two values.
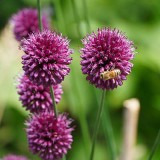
[39, 14]
[155, 146]
[76, 17]
[97, 123]
[64, 158]
[53, 101]
[107, 127]
[86, 16]
[106, 122]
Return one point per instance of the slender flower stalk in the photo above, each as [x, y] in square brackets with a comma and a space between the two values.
[39, 14]
[53, 101]
[107, 128]
[97, 123]
[155, 146]
[64, 158]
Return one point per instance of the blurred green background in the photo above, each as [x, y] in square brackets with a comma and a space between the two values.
[140, 20]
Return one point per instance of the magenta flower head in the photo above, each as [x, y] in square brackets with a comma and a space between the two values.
[25, 22]
[106, 58]
[37, 98]
[46, 58]
[48, 136]
[14, 157]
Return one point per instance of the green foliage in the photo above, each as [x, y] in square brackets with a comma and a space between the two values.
[140, 21]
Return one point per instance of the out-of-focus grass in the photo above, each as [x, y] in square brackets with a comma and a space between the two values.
[10, 67]
[140, 21]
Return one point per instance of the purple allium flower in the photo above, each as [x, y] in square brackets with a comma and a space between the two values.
[48, 136]
[108, 50]
[37, 98]
[25, 22]
[14, 157]
[46, 58]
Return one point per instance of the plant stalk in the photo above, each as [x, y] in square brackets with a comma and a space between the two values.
[53, 101]
[97, 124]
[64, 157]
[39, 15]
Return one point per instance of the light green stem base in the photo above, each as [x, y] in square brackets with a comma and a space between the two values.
[53, 101]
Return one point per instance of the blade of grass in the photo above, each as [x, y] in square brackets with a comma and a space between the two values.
[76, 17]
[86, 16]
[107, 126]
[97, 124]
[81, 114]
[60, 17]
[155, 146]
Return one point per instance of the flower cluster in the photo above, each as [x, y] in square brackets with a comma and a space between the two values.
[37, 98]
[45, 62]
[25, 22]
[14, 157]
[46, 58]
[106, 52]
[48, 136]
[105, 60]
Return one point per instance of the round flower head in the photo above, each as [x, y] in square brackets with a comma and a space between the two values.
[14, 157]
[37, 98]
[105, 58]
[46, 58]
[48, 136]
[25, 22]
